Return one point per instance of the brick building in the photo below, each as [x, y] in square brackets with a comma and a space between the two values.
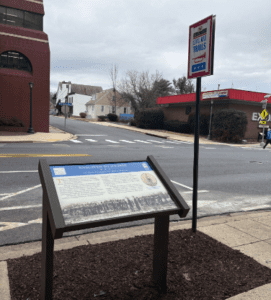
[179, 107]
[24, 58]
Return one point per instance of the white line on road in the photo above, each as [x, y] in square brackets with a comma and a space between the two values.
[255, 207]
[90, 140]
[16, 171]
[142, 141]
[112, 141]
[76, 141]
[182, 185]
[172, 142]
[156, 141]
[203, 191]
[127, 141]
[13, 225]
[20, 207]
[21, 192]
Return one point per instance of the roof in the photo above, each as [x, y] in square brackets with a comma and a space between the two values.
[216, 94]
[105, 98]
[82, 89]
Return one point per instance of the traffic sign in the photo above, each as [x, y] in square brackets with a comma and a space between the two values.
[263, 122]
[264, 114]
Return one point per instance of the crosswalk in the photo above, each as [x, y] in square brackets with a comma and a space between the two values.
[131, 141]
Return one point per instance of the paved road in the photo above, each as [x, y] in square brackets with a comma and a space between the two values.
[230, 178]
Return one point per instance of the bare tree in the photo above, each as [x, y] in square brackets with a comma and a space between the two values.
[113, 75]
[183, 86]
[137, 89]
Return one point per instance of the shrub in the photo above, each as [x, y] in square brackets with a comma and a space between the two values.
[14, 122]
[132, 122]
[177, 126]
[112, 117]
[229, 125]
[83, 115]
[204, 121]
[150, 118]
[102, 118]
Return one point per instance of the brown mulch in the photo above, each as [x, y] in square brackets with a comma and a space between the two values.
[199, 267]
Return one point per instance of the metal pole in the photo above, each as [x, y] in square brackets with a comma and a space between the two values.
[209, 135]
[196, 156]
[30, 129]
[65, 109]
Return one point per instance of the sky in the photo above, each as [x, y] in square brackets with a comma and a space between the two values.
[88, 37]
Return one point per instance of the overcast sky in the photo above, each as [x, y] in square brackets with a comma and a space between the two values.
[87, 37]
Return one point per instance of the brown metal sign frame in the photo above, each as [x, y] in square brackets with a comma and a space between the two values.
[53, 225]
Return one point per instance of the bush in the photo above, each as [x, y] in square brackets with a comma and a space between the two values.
[150, 118]
[13, 122]
[102, 118]
[83, 115]
[204, 121]
[177, 126]
[112, 117]
[132, 122]
[229, 125]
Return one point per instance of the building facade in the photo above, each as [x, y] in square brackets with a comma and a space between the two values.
[76, 94]
[24, 58]
[180, 106]
[102, 104]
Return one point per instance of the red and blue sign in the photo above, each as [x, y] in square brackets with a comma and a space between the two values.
[201, 48]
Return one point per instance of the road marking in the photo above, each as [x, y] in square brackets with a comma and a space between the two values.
[16, 171]
[172, 142]
[20, 207]
[5, 194]
[201, 203]
[76, 141]
[208, 148]
[203, 191]
[156, 141]
[186, 142]
[41, 155]
[187, 187]
[166, 147]
[90, 140]
[127, 141]
[21, 192]
[142, 141]
[13, 225]
[112, 141]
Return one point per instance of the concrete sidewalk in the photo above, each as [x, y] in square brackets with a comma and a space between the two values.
[249, 232]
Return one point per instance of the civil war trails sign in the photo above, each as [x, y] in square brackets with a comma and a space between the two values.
[86, 195]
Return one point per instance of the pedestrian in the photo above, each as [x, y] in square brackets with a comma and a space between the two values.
[268, 138]
[58, 107]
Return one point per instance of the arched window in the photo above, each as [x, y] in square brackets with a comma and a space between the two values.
[15, 60]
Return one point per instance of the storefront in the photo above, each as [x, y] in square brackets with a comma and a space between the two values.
[180, 106]
[24, 58]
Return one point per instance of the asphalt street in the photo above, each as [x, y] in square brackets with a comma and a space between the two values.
[231, 179]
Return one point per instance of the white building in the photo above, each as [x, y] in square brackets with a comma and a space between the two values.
[77, 94]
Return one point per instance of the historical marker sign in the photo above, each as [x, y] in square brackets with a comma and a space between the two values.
[94, 192]
[86, 195]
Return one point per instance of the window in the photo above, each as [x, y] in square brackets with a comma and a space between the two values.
[67, 86]
[102, 108]
[15, 60]
[125, 110]
[17, 17]
[113, 110]
[188, 110]
[71, 100]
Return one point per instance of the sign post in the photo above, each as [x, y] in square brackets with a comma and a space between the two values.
[200, 63]
[264, 115]
[78, 196]
[65, 110]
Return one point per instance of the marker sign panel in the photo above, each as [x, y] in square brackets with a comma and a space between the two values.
[101, 191]
[201, 48]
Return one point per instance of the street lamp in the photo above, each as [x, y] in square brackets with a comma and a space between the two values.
[30, 129]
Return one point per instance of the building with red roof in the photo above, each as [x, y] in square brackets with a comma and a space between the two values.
[178, 107]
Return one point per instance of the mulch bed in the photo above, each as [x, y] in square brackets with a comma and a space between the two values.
[199, 267]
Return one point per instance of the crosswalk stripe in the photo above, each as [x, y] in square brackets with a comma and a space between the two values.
[172, 142]
[156, 142]
[90, 140]
[112, 141]
[142, 141]
[127, 141]
[76, 141]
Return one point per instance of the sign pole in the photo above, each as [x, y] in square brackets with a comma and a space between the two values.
[196, 156]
